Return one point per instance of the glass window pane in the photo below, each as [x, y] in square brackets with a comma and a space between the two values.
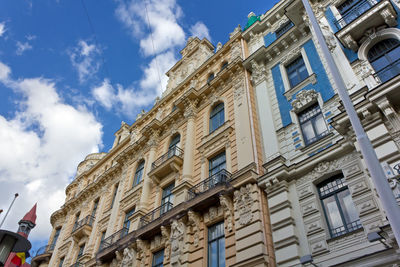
[212, 254]
[332, 212]
[349, 210]
[320, 125]
[308, 131]
[221, 247]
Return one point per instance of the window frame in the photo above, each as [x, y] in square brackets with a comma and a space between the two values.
[114, 195]
[342, 188]
[80, 251]
[210, 77]
[217, 240]
[211, 168]
[313, 120]
[137, 178]
[127, 223]
[155, 254]
[95, 207]
[61, 263]
[296, 60]
[55, 237]
[175, 141]
[218, 112]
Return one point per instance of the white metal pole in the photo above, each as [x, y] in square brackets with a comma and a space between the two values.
[371, 160]
[5, 216]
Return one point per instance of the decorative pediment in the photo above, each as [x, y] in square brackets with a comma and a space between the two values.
[304, 99]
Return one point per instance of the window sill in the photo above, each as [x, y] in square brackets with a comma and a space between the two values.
[292, 91]
[315, 143]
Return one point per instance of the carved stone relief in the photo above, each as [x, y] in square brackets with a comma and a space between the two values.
[227, 204]
[243, 203]
[141, 252]
[127, 258]
[258, 72]
[178, 232]
[194, 224]
[166, 234]
[304, 98]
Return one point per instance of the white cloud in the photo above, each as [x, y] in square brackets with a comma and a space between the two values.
[163, 16]
[84, 58]
[200, 30]
[2, 28]
[41, 146]
[22, 47]
[104, 94]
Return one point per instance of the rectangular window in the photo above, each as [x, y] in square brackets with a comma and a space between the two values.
[80, 253]
[167, 198]
[158, 259]
[76, 219]
[61, 262]
[138, 173]
[54, 241]
[216, 164]
[127, 222]
[283, 29]
[352, 9]
[296, 71]
[114, 195]
[95, 205]
[103, 235]
[216, 245]
[312, 124]
[341, 214]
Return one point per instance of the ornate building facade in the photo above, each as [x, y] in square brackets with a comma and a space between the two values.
[322, 202]
[179, 187]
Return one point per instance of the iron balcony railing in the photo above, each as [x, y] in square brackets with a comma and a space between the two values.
[113, 238]
[45, 249]
[155, 214]
[172, 151]
[388, 72]
[221, 177]
[350, 227]
[355, 11]
[88, 220]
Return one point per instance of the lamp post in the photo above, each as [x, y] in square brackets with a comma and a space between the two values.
[11, 242]
[371, 160]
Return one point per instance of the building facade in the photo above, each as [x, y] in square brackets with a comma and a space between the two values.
[248, 158]
[321, 198]
[179, 187]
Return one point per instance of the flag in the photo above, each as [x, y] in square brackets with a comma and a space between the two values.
[19, 259]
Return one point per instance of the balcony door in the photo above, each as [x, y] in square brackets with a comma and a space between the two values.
[167, 198]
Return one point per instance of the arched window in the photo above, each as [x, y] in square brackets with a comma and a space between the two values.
[210, 77]
[340, 211]
[217, 117]
[138, 173]
[385, 59]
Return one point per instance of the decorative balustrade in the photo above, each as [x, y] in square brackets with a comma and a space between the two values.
[88, 220]
[350, 227]
[221, 177]
[155, 214]
[113, 238]
[173, 151]
[354, 12]
[388, 72]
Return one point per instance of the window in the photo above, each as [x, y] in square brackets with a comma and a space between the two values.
[340, 212]
[158, 259]
[139, 173]
[175, 141]
[103, 235]
[352, 9]
[296, 71]
[76, 218]
[55, 237]
[312, 124]
[224, 65]
[385, 59]
[127, 222]
[167, 198]
[114, 195]
[80, 252]
[283, 29]
[217, 117]
[210, 77]
[216, 245]
[216, 164]
[95, 205]
[61, 262]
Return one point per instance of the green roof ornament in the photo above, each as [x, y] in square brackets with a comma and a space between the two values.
[251, 18]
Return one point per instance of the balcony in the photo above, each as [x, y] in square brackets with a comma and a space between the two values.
[83, 227]
[155, 214]
[167, 163]
[107, 242]
[361, 17]
[43, 255]
[77, 264]
[220, 178]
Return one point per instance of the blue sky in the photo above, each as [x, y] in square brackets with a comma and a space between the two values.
[67, 82]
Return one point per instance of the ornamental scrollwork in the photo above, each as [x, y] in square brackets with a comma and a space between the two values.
[303, 98]
[243, 204]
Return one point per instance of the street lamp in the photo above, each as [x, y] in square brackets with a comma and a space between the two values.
[11, 242]
[381, 184]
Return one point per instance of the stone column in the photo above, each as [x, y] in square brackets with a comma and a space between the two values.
[144, 198]
[188, 156]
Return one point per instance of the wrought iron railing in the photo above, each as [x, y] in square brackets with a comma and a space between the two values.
[88, 220]
[113, 238]
[388, 72]
[350, 227]
[284, 29]
[221, 177]
[173, 151]
[77, 264]
[45, 249]
[315, 138]
[354, 12]
[155, 214]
